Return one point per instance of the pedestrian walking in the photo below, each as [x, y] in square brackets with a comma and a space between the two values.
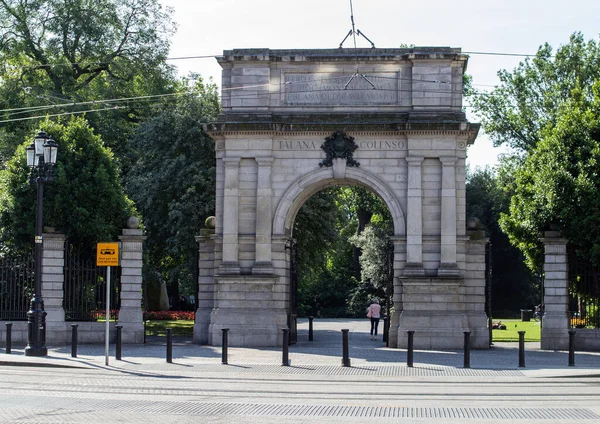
[374, 312]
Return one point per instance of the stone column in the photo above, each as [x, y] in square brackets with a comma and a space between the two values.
[130, 313]
[555, 323]
[448, 267]
[53, 279]
[230, 261]
[414, 219]
[206, 285]
[263, 263]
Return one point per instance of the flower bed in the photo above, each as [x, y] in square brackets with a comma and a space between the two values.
[168, 315]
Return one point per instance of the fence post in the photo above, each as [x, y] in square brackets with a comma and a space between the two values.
[169, 345]
[385, 329]
[310, 329]
[467, 350]
[9, 338]
[345, 350]
[224, 346]
[571, 348]
[285, 361]
[409, 352]
[521, 349]
[74, 340]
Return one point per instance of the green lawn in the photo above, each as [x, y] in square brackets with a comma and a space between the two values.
[180, 327]
[531, 328]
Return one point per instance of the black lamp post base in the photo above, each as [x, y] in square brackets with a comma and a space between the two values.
[36, 351]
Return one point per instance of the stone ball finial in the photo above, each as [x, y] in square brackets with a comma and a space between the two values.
[473, 224]
[211, 222]
[133, 223]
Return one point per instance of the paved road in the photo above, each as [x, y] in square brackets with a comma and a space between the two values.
[255, 388]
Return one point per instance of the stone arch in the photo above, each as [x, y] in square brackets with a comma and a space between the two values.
[307, 185]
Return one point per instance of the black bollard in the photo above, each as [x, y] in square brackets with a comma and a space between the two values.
[310, 329]
[145, 331]
[169, 346]
[224, 346]
[467, 350]
[386, 330]
[409, 352]
[74, 340]
[345, 350]
[285, 360]
[119, 346]
[571, 348]
[521, 349]
[9, 338]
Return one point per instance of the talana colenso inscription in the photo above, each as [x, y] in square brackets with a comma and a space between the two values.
[341, 88]
[316, 144]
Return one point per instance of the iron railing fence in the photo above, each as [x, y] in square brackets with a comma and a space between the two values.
[584, 293]
[85, 286]
[17, 274]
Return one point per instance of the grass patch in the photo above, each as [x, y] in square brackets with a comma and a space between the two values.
[532, 331]
[182, 327]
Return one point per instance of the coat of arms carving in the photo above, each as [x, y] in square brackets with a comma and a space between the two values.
[339, 146]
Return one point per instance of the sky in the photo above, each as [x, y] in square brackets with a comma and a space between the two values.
[207, 27]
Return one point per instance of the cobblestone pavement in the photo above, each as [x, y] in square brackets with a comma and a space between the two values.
[254, 387]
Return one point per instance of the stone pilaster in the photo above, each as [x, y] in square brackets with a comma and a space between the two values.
[53, 278]
[475, 280]
[263, 264]
[130, 313]
[206, 283]
[414, 218]
[398, 264]
[230, 260]
[555, 323]
[448, 266]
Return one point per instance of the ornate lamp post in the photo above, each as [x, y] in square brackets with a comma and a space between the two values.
[41, 157]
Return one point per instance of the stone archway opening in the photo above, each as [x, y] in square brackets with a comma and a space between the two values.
[331, 229]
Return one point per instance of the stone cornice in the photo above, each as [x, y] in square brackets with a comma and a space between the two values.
[266, 127]
[343, 54]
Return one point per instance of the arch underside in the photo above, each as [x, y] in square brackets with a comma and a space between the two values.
[306, 186]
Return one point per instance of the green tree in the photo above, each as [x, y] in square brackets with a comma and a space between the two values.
[529, 98]
[55, 53]
[85, 200]
[173, 182]
[558, 185]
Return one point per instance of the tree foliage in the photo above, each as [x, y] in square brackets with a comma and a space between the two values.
[55, 53]
[85, 200]
[172, 181]
[529, 98]
[558, 185]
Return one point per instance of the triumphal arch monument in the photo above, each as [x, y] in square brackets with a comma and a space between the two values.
[297, 121]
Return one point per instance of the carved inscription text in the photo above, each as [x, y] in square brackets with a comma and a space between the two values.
[328, 89]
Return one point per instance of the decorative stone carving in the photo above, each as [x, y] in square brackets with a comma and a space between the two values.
[339, 146]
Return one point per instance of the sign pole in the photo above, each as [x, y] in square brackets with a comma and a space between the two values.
[107, 335]
[107, 255]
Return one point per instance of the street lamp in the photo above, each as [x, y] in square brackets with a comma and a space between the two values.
[41, 157]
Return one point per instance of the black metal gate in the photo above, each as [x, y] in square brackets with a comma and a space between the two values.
[17, 274]
[584, 292]
[293, 294]
[85, 286]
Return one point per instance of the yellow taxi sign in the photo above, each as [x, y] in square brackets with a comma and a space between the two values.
[107, 254]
